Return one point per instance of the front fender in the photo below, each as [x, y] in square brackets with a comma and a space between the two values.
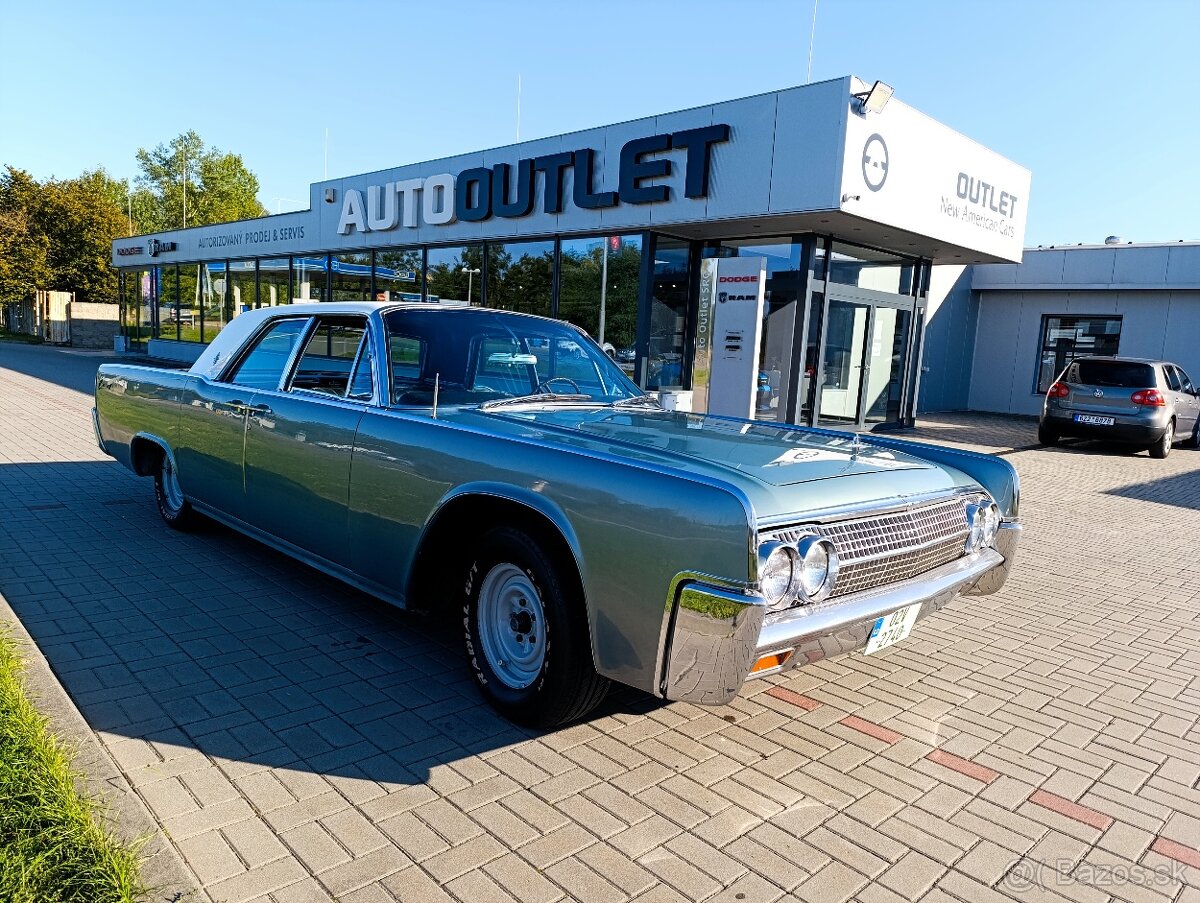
[518, 495]
[994, 474]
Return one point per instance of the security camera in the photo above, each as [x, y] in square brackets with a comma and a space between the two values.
[330, 195]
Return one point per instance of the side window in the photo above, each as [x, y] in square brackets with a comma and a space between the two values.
[1188, 386]
[1173, 378]
[263, 367]
[406, 356]
[362, 385]
[328, 359]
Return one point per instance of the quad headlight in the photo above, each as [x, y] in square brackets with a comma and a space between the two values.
[805, 571]
[818, 567]
[778, 572]
[983, 522]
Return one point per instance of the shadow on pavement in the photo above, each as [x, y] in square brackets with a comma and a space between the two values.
[67, 367]
[63, 367]
[1182, 490]
[212, 641]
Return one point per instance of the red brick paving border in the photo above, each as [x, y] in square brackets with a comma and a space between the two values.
[794, 698]
[1176, 851]
[963, 766]
[871, 730]
[1064, 806]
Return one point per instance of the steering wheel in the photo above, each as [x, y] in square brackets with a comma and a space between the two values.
[544, 385]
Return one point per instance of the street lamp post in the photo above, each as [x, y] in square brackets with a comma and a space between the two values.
[471, 274]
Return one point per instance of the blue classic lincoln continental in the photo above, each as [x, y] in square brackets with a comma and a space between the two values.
[502, 466]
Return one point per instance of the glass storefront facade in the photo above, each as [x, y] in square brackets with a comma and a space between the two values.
[840, 330]
[598, 281]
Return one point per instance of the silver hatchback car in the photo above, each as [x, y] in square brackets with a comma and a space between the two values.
[1122, 399]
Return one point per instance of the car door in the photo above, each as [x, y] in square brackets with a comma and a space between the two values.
[300, 439]
[210, 453]
[1189, 403]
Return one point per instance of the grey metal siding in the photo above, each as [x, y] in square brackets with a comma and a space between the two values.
[949, 348]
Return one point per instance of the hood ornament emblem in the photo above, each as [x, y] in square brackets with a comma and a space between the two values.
[1099, 393]
[856, 447]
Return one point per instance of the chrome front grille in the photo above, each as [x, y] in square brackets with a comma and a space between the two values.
[885, 548]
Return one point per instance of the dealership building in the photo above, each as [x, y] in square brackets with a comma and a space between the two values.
[771, 256]
[997, 335]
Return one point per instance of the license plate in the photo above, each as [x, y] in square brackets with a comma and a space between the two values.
[892, 628]
[1095, 419]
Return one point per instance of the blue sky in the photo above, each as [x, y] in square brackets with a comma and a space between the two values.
[1096, 98]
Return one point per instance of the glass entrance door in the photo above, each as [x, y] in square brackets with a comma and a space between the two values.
[885, 365]
[844, 362]
[862, 378]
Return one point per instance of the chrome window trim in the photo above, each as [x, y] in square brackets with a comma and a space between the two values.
[250, 343]
[285, 385]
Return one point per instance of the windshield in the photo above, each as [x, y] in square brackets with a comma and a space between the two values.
[477, 356]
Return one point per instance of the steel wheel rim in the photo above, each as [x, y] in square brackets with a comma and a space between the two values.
[1170, 436]
[512, 626]
[171, 488]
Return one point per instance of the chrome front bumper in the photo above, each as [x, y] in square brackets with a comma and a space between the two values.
[718, 633]
[96, 429]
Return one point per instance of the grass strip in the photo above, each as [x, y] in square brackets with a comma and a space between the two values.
[54, 846]
[19, 337]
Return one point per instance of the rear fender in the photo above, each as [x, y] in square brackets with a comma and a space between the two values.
[141, 461]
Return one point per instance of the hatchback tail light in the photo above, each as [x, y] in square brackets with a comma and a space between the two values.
[1059, 390]
[1151, 398]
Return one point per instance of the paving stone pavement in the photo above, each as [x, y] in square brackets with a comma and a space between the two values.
[300, 741]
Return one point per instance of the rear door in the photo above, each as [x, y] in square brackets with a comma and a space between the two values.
[1187, 407]
[300, 439]
[210, 453]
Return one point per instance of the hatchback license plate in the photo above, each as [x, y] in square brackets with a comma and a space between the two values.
[892, 628]
[1095, 419]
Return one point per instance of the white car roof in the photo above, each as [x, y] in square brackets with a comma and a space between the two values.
[241, 327]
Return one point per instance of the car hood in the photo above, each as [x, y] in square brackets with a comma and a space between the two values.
[781, 469]
[774, 455]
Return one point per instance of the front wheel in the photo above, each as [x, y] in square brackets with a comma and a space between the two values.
[172, 506]
[1162, 447]
[526, 633]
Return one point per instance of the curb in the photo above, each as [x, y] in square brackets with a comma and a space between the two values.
[163, 868]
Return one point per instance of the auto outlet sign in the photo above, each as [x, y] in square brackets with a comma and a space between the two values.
[903, 169]
[509, 190]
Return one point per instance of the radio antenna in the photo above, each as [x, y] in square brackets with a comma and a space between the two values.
[437, 377]
[812, 37]
[518, 108]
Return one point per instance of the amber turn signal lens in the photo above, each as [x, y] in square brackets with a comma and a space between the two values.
[767, 662]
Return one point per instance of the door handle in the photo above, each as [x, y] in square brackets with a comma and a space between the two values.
[259, 410]
[238, 407]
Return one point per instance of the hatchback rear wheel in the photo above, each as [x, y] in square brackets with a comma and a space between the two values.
[1162, 447]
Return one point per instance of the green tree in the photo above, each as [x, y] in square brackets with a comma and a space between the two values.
[24, 249]
[195, 185]
[81, 217]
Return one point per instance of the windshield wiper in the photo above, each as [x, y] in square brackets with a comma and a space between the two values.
[533, 398]
[640, 401]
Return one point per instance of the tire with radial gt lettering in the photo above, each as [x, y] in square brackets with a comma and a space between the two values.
[526, 633]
